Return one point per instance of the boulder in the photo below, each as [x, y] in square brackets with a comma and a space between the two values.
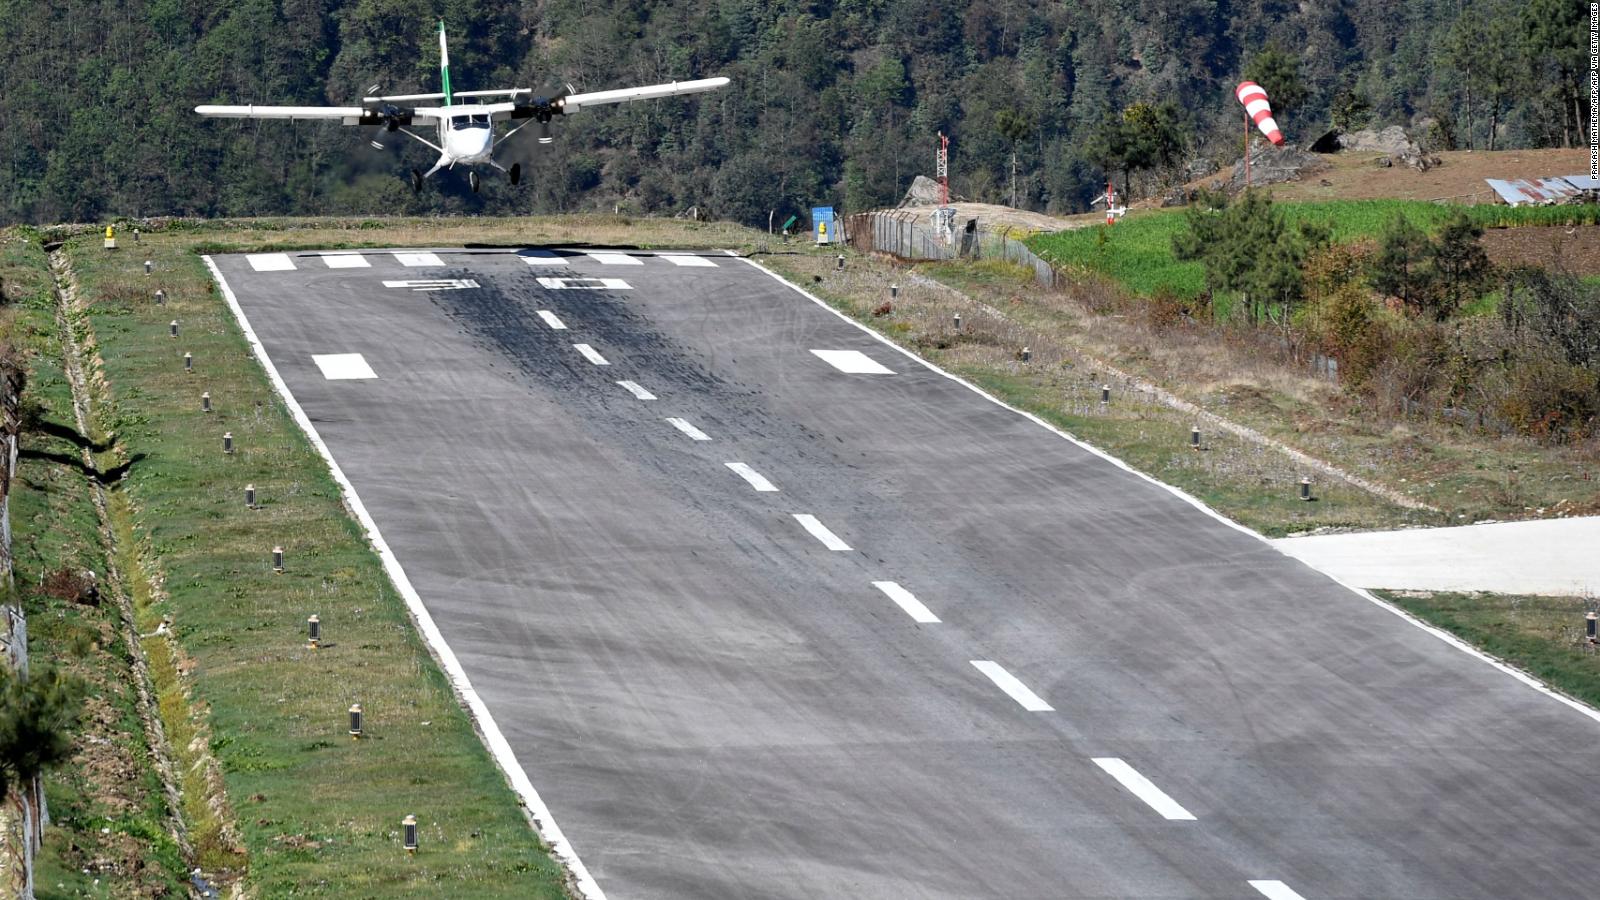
[1391, 141]
[924, 191]
[1272, 165]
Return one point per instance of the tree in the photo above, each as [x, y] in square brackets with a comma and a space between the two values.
[1458, 266]
[37, 717]
[1246, 246]
[1155, 136]
[1015, 127]
[1398, 268]
[1278, 73]
[1350, 109]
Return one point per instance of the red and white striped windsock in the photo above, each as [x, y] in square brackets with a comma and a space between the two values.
[1255, 103]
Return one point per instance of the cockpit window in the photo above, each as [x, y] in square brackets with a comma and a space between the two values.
[476, 120]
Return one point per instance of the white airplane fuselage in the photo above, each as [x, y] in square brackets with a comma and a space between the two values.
[465, 140]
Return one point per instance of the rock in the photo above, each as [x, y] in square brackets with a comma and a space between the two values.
[1391, 141]
[1383, 162]
[924, 191]
[1272, 165]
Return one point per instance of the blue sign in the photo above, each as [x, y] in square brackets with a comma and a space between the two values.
[822, 224]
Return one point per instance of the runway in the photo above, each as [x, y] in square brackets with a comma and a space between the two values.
[766, 608]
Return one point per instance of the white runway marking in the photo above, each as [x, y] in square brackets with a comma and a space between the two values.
[434, 284]
[1008, 682]
[270, 262]
[679, 259]
[591, 354]
[820, 532]
[419, 259]
[615, 259]
[542, 258]
[853, 361]
[345, 261]
[908, 602]
[552, 320]
[634, 389]
[493, 737]
[343, 366]
[1142, 788]
[1276, 890]
[693, 432]
[756, 479]
[584, 284]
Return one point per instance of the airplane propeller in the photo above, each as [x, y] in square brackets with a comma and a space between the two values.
[546, 108]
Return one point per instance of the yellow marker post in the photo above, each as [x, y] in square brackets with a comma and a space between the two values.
[111, 238]
[822, 232]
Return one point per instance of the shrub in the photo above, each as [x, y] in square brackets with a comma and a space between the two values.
[37, 717]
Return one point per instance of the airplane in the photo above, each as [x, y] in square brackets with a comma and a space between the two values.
[466, 132]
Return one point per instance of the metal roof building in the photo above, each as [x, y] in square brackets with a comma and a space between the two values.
[1545, 191]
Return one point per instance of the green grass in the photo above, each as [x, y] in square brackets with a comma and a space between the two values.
[319, 814]
[1137, 252]
[112, 784]
[1540, 635]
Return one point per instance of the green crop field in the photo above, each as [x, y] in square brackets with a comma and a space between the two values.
[1137, 251]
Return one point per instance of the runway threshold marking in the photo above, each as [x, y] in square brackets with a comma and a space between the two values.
[542, 258]
[270, 262]
[591, 354]
[683, 259]
[853, 362]
[343, 366]
[434, 284]
[1014, 688]
[552, 320]
[1276, 890]
[615, 259]
[1144, 789]
[418, 259]
[908, 602]
[756, 479]
[684, 426]
[350, 260]
[820, 531]
[634, 389]
[584, 284]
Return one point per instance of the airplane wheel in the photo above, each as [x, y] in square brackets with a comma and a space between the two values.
[472, 179]
[516, 173]
[416, 181]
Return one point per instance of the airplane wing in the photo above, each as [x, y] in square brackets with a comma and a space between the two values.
[574, 102]
[413, 98]
[349, 115]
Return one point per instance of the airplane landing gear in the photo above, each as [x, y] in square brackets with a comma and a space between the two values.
[416, 181]
[472, 180]
[516, 173]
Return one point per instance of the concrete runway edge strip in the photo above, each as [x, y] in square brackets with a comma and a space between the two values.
[538, 813]
[1439, 633]
[1144, 789]
[1012, 685]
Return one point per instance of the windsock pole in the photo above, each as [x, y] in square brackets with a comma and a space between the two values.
[1247, 149]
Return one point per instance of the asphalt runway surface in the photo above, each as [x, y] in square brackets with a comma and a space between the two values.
[1123, 697]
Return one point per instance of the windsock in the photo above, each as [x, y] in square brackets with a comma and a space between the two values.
[1255, 103]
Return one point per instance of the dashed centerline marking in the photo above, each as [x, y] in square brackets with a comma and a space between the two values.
[1276, 890]
[756, 479]
[634, 389]
[551, 320]
[853, 362]
[1144, 789]
[908, 602]
[591, 354]
[418, 259]
[615, 259]
[1008, 682]
[270, 262]
[693, 432]
[820, 532]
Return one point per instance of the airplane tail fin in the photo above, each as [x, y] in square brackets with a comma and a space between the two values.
[444, 66]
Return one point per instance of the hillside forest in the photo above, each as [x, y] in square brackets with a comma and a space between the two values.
[833, 101]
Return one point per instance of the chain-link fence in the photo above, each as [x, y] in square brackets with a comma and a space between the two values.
[910, 235]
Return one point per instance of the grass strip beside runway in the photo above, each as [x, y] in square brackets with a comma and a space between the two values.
[319, 813]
